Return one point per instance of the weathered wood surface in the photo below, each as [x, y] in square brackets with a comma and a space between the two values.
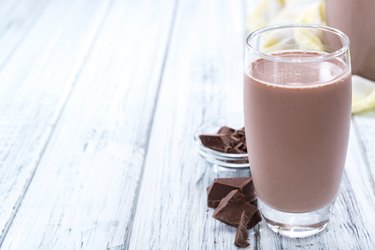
[83, 193]
[202, 80]
[99, 101]
[42, 52]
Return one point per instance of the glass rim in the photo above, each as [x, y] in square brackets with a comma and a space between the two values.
[321, 57]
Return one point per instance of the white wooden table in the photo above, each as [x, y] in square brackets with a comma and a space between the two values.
[99, 100]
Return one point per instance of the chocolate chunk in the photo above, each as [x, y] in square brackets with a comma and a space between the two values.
[244, 147]
[216, 142]
[235, 139]
[241, 131]
[239, 148]
[241, 233]
[227, 140]
[222, 186]
[231, 207]
[239, 145]
[235, 150]
[225, 130]
[254, 220]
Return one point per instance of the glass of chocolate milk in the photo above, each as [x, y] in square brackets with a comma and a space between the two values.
[297, 104]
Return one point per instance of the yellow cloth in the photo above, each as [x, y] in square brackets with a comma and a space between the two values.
[363, 95]
[268, 12]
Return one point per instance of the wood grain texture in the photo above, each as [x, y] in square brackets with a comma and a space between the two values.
[38, 67]
[202, 80]
[16, 20]
[82, 193]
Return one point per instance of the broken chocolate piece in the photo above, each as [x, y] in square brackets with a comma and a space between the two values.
[231, 207]
[222, 186]
[216, 142]
[241, 233]
[235, 139]
[226, 130]
[244, 147]
[234, 151]
[227, 140]
[257, 217]
[237, 148]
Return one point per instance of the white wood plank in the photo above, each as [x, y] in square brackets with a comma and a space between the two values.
[203, 80]
[82, 194]
[352, 225]
[16, 20]
[35, 81]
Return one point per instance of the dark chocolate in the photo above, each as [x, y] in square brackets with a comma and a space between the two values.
[222, 186]
[226, 130]
[216, 142]
[227, 140]
[231, 207]
[257, 217]
[242, 233]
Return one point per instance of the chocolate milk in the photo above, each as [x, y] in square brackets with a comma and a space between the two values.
[297, 120]
[356, 18]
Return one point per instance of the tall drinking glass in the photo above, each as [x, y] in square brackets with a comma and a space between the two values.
[297, 104]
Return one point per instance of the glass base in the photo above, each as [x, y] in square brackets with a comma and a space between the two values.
[296, 225]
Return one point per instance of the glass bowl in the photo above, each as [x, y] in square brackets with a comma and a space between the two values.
[217, 158]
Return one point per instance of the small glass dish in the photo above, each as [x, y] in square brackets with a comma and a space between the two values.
[217, 158]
